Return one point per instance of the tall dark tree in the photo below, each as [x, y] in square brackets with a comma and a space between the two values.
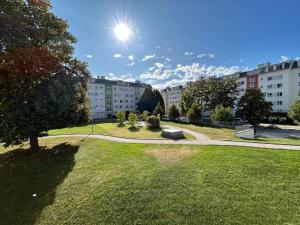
[42, 86]
[147, 101]
[159, 99]
[159, 110]
[210, 92]
[253, 107]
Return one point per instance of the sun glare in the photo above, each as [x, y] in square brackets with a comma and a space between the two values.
[123, 32]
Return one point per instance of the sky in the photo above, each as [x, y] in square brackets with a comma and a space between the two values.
[172, 42]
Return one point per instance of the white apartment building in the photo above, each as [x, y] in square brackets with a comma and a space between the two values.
[172, 96]
[108, 97]
[279, 82]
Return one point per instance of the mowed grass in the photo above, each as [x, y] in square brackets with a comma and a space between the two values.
[88, 181]
[218, 133]
[113, 129]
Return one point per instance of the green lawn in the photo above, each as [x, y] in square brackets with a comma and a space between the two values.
[217, 133]
[112, 129]
[88, 181]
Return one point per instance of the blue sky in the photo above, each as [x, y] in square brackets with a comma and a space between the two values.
[177, 41]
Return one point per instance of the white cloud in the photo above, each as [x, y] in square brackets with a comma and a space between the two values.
[124, 77]
[284, 58]
[130, 64]
[89, 56]
[189, 53]
[157, 74]
[206, 55]
[297, 58]
[148, 57]
[241, 60]
[159, 65]
[117, 55]
[131, 57]
[168, 59]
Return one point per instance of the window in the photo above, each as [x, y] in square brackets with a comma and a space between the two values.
[279, 102]
[298, 74]
[279, 94]
[269, 94]
[242, 82]
[269, 86]
[262, 78]
[279, 85]
[269, 78]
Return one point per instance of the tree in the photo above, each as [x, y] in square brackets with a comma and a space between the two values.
[145, 115]
[42, 86]
[173, 113]
[158, 110]
[159, 99]
[253, 107]
[222, 114]
[209, 92]
[194, 114]
[132, 119]
[294, 112]
[121, 117]
[147, 100]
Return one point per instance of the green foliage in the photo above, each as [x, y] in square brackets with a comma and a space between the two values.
[294, 112]
[222, 114]
[149, 100]
[132, 119]
[153, 122]
[145, 115]
[173, 113]
[209, 92]
[159, 100]
[253, 107]
[194, 114]
[158, 110]
[121, 117]
[42, 85]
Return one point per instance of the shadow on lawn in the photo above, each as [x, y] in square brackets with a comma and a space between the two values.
[23, 175]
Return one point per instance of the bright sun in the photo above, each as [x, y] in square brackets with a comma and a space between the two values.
[123, 32]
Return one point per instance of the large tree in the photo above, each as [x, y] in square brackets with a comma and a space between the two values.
[210, 92]
[253, 107]
[149, 100]
[42, 86]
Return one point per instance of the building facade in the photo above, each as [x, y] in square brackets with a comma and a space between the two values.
[172, 96]
[279, 82]
[108, 97]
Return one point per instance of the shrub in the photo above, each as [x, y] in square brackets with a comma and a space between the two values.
[294, 112]
[153, 122]
[194, 114]
[121, 117]
[132, 119]
[173, 113]
[222, 114]
[145, 115]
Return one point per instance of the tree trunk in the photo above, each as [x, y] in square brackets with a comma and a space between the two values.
[34, 144]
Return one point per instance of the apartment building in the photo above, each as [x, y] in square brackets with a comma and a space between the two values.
[279, 82]
[108, 97]
[172, 96]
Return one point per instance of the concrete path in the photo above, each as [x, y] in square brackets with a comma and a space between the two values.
[197, 135]
[182, 142]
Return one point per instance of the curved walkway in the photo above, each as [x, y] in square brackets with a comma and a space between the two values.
[181, 142]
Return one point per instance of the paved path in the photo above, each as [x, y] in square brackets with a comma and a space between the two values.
[182, 142]
[197, 135]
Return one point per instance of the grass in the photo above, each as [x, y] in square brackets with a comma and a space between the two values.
[112, 129]
[86, 181]
[217, 133]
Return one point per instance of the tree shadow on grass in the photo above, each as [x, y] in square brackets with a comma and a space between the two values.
[22, 175]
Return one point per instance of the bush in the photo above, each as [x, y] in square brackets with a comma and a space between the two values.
[173, 113]
[145, 115]
[222, 114]
[194, 114]
[279, 118]
[294, 112]
[121, 117]
[153, 122]
[132, 119]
